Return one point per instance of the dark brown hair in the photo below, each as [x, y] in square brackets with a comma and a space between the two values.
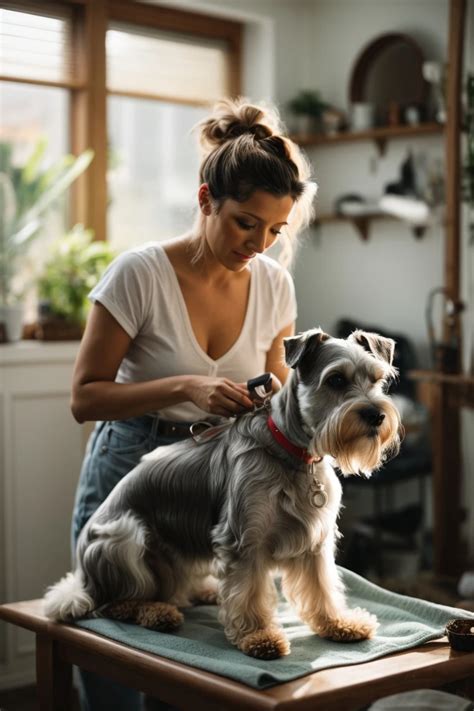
[245, 149]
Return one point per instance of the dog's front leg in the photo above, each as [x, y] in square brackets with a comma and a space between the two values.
[312, 584]
[248, 603]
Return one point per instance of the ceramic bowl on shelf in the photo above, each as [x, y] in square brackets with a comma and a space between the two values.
[460, 634]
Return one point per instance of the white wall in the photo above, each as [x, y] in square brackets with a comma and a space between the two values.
[384, 281]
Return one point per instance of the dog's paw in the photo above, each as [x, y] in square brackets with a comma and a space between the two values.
[122, 610]
[350, 626]
[269, 643]
[159, 616]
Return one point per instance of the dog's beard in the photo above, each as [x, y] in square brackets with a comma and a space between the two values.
[356, 446]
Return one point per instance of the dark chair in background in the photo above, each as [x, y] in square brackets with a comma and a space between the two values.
[389, 528]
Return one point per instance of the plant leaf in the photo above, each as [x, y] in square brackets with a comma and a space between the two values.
[23, 235]
[59, 186]
[31, 168]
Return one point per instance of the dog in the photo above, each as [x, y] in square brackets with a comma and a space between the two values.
[212, 522]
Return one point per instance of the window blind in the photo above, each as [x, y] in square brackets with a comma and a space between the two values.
[35, 46]
[166, 65]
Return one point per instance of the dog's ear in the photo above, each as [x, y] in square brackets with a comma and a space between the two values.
[297, 346]
[379, 346]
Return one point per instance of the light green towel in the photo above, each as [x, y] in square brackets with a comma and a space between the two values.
[404, 622]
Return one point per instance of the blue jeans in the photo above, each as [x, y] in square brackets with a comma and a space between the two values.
[113, 449]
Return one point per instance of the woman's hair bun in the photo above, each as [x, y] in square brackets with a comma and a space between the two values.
[233, 118]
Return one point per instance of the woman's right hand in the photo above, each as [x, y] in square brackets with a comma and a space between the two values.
[219, 396]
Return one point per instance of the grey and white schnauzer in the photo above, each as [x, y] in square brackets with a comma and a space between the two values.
[259, 496]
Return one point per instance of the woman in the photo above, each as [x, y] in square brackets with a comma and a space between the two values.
[178, 327]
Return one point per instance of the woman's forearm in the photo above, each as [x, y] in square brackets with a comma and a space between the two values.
[106, 400]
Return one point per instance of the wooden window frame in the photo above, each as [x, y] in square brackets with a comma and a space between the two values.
[88, 113]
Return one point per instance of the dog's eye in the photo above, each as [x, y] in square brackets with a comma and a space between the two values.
[337, 381]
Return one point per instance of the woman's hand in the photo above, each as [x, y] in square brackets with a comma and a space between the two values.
[219, 396]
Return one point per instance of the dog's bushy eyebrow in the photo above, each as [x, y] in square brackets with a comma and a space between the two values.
[379, 368]
[376, 373]
[339, 366]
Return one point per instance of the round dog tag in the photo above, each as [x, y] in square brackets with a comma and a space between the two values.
[319, 499]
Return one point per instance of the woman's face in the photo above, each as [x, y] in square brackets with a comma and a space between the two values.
[241, 230]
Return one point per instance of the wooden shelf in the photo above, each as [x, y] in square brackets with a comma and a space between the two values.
[361, 222]
[380, 135]
[329, 217]
[459, 387]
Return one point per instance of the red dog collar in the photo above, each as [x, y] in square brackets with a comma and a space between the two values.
[298, 452]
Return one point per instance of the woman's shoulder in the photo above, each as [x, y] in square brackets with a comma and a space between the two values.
[274, 283]
[269, 268]
[146, 259]
[275, 294]
[149, 251]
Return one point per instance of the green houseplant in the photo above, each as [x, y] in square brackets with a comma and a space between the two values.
[308, 107]
[73, 267]
[26, 194]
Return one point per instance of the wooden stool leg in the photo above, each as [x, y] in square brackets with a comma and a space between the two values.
[53, 675]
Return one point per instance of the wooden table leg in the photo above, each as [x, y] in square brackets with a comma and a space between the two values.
[53, 675]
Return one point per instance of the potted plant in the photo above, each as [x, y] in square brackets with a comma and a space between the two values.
[73, 267]
[26, 193]
[308, 108]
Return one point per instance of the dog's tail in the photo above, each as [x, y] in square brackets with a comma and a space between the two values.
[68, 600]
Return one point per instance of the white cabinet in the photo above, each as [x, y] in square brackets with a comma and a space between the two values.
[41, 450]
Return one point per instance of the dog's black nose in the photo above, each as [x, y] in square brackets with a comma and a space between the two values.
[372, 416]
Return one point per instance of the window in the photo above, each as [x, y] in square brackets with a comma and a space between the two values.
[153, 170]
[34, 46]
[160, 85]
[128, 80]
[166, 65]
[34, 119]
[34, 109]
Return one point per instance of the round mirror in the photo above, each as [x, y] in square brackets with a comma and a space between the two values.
[388, 74]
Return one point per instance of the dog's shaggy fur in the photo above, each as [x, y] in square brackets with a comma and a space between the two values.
[241, 506]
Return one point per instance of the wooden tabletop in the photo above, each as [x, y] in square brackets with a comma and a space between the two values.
[350, 687]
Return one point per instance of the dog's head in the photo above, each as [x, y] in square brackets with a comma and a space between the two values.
[341, 391]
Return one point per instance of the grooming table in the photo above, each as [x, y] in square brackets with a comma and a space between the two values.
[59, 647]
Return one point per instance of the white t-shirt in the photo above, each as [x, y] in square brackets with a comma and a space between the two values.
[141, 291]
